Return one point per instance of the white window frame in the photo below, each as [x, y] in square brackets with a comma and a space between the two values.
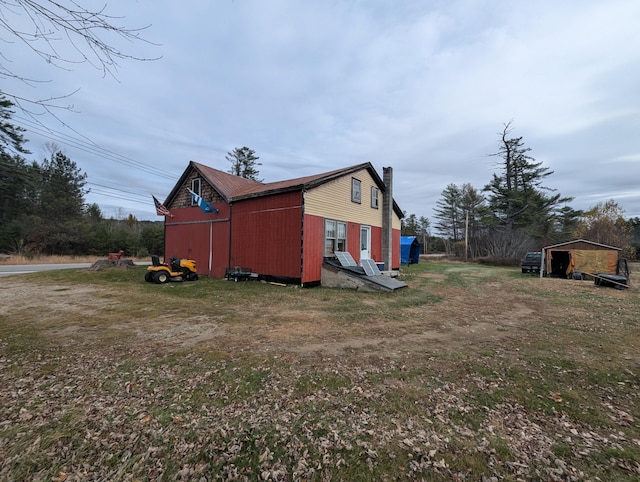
[356, 190]
[374, 197]
[196, 186]
[335, 236]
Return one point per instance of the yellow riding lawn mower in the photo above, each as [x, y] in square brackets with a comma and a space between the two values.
[178, 269]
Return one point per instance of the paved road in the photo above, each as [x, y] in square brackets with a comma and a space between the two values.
[10, 269]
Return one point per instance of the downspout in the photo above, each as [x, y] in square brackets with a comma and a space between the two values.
[165, 239]
[304, 197]
[387, 219]
[230, 237]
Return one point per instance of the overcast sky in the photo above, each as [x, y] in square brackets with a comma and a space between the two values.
[422, 86]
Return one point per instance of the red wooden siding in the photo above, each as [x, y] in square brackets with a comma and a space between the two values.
[353, 240]
[313, 250]
[267, 235]
[268, 242]
[376, 243]
[190, 233]
[194, 213]
[189, 241]
[395, 252]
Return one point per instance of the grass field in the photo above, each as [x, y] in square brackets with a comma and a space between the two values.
[470, 373]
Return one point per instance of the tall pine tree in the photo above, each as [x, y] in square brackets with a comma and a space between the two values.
[58, 225]
[243, 163]
[447, 213]
[16, 179]
[517, 198]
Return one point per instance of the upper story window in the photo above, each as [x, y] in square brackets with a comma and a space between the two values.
[356, 194]
[195, 187]
[374, 197]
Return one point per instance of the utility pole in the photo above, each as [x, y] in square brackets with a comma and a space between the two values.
[466, 236]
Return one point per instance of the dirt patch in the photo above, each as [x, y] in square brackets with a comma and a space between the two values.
[501, 309]
[29, 296]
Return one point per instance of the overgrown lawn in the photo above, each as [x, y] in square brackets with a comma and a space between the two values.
[471, 372]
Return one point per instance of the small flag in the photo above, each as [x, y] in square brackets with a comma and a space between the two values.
[161, 210]
[204, 205]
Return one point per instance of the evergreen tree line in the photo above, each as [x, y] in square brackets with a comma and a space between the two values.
[43, 210]
[515, 213]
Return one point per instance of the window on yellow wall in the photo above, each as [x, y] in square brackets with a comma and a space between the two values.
[374, 197]
[356, 194]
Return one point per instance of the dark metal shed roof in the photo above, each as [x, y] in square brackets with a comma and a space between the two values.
[578, 242]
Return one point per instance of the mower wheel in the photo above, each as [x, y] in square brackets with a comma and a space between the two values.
[192, 277]
[161, 277]
[148, 276]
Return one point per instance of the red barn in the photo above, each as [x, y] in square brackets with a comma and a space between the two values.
[283, 229]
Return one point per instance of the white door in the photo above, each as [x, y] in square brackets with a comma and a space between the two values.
[365, 242]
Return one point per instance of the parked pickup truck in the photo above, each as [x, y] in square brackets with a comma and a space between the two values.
[531, 262]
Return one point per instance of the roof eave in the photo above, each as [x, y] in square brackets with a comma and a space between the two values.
[582, 241]
[177, 185]
[268, 192]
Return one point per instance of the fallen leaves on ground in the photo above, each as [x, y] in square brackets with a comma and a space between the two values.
[145, 417]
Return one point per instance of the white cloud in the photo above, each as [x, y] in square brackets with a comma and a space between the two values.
[421, 86]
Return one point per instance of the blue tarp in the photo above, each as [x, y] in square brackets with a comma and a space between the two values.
[409, 250]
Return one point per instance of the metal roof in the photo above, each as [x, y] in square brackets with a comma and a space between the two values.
[566, 243]
[234, 188]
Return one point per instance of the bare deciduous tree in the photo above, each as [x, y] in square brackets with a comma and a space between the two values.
[61, 34]
[604, 223]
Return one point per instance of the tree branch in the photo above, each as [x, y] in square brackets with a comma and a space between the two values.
[46, 27]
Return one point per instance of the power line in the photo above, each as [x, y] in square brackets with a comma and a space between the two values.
[125, 191]
[116, 195]
[113, 196]
[88, 147]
